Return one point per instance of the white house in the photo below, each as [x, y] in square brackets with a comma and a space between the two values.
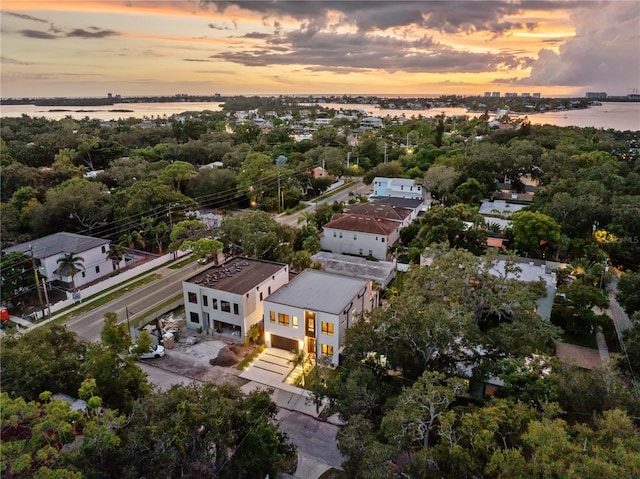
[46, 252]
[380, 272]
[398, 187]
[359, 235]
[371, 122]
[229, 297]
[499, 208]
[417, 205]
[314, 311]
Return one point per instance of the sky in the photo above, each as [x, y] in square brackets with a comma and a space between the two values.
[80, 48]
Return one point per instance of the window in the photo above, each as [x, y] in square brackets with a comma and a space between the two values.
[104, 249]
[260, 295]
[382, 239]
[84, 275]
[370, 253]
[376, 238]
[327, 328]
[205, 301]
[194, 317]
[355, 237]
[334, 234]
[272, 316]
[193, 298]
[295, 322]
[225, 306]
[97, 269]
[310, 323]
[214, 303]
[269, 290]
[235, 309]
[327, 350]
[341, 234]
[360, 251]
[283, 319]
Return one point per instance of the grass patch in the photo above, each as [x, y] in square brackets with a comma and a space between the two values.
[184, 262]
[333, 192]
[295, 209]
[242, 365]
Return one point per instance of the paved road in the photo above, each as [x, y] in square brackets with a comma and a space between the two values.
[345, 195]
[139, 301]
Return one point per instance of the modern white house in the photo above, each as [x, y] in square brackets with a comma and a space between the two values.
[398, 187]
[359, 235]
[313, 312]
[229, 297]
[379, 272]
[46, 252]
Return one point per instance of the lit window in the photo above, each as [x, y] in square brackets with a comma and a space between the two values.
[272, 316]
[283, 319]
[327, 350]
[327, 328]
[295, 322]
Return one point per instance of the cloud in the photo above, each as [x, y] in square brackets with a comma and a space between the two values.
[13, 61]
[26, 17]
[38, 34]
[95, 33]
[351, 52]
[604, 53]
[445, 16]
[195, 60]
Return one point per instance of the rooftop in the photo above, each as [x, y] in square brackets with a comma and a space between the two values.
[237, 275]
[362, 224]
[400, 202]
[379, 271]
[380, 210]
[499, 207]
[57, 243]
[315, 290]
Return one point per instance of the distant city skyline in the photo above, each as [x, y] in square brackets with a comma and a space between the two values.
[422, 48]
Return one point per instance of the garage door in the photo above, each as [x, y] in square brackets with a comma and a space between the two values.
[287, 344]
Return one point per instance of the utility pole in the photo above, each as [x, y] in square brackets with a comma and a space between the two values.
[126, 308]
[279, 194]
[37, 278]
[46, 296]
[348, 158]
[385, 152]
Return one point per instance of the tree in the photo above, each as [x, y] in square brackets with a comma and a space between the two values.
[202, 431]
[534, 233]
[16, 274]
[629, 362]
[69, 265]
[204, 248]
[131, 239]
[177, 174]
[187, 231]
[628, 293]
[299, 358]
[440, 181]
[115, 255]
[46, 358]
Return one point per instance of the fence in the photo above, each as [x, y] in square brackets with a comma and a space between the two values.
[111, 282]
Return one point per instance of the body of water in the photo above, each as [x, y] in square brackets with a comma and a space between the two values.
[618, 116]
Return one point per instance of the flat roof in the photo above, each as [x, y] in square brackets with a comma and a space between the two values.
[315, 290]
[381, 271]
[412, 203]
[237, 275]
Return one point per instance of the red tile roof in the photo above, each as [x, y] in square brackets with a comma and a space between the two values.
[390, 212]
[363, 224]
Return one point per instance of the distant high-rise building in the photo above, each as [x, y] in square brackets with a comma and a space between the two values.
[510, 95]
[599, 95]
[536, 95]
[495, 94]
[526, 95]
[487, 94]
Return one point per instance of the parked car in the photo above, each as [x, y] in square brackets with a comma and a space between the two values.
[155, 352]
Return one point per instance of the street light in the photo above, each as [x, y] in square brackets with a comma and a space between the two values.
[126, 308]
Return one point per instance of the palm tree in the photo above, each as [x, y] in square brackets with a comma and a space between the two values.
[115, 255]
[299, 358]
[70, 265]
[131, 240]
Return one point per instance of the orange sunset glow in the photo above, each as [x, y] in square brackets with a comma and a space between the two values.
[198, 47]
